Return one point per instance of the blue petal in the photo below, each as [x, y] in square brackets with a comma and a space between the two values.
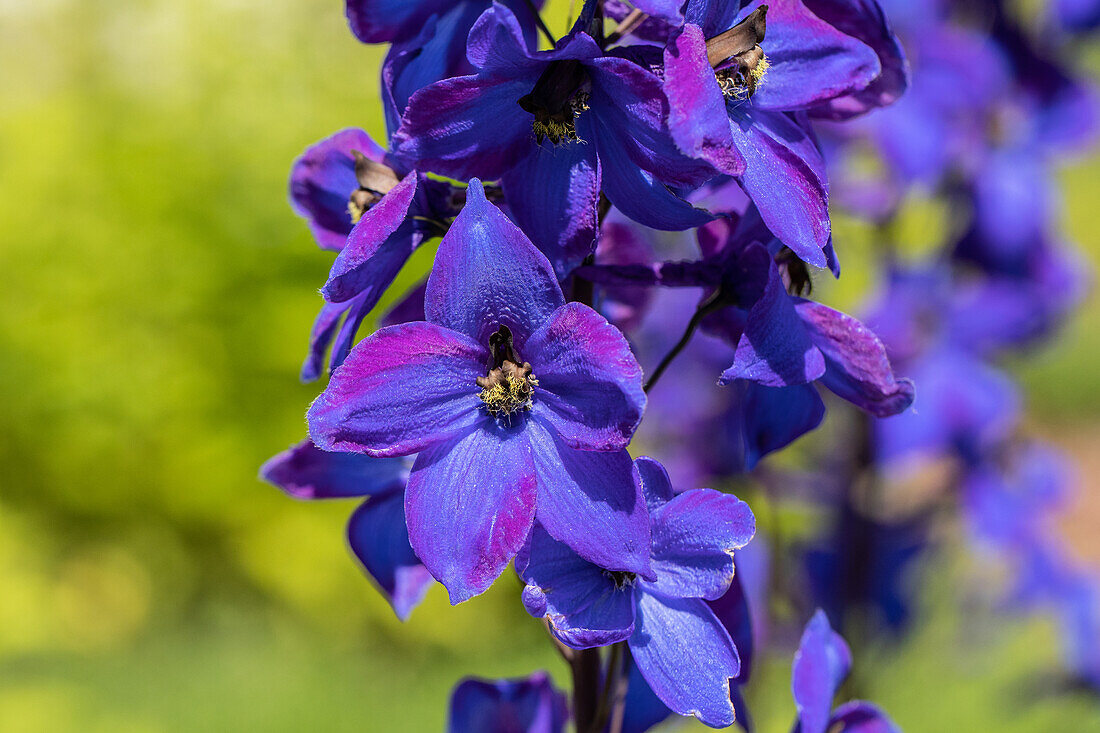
[591, 501]
[861, 717]
[656, 485]
[470, 504]
[526, 705]
[686, 656]
[774, 417]
[820, 665]
[380, 540]
[487, 273]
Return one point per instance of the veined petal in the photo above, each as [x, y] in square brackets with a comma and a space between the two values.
[643, 708]
[582, 604]
[379, 539]
[321, 336]
[487, 273]
[497, 44]
[820, 666]
[307, 472]
[470, 504]
[401, 390]
[656, 485]
[553, 193]
[775, 348]
[697, 116]
[589, 383]
[785, 176]
[686, 656]
[856, 366]
[694, 537]
[774, 417]
[810, 61]
[376, 248]
[466, 126]
[592, 501]
[733, 611]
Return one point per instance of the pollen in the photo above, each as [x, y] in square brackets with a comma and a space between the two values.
[742, 80]
[508, 389]
[559, 128]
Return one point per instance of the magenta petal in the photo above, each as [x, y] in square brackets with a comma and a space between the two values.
[307, 472]
[487, 273]
[470, 504]
[697, 116]
[589, 383]
[401, 390]
[375, 250]
[321, 335]
[857, 367]
[380, 541]
[686, 656]
[591, 501]
[694, 537]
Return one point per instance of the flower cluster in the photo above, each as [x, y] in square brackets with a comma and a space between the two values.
[487, 421]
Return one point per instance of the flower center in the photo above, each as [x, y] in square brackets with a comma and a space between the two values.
[375, 181]
[621, 578]
[558, 98]
[738, 61]
[509, 385]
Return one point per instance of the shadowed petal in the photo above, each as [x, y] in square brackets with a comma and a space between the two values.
[552, 193]
[487, 273]
[580, 602]
[785, 176]
[589, 383]
[402, 389]
[382, 21]
[820, 666]
[321, 336]
[774, 417]
[470, 504]
[862, 717]
[686, 656]
[656, 485]
[380, 541]
[307, 472]
[592, 501]
[527, 705]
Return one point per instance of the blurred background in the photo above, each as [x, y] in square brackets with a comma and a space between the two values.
[156, 297]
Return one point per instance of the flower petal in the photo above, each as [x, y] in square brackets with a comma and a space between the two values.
[589, 383]
[785, 176]
[307, 472]
[530, 704]
[694, 537]
[466, 126]
[379, 539]
[552, 193]
[656, 485]
[382, 21]
[487, 273]
[580, 602]
[321, 335]
[403, 389]
[820, 666]
[470, 504]
[856, 366]
[858, 716]
[686, 656]
[376, 248]
[323, 178]
[697, 110]
[774, 417]
[591, 501]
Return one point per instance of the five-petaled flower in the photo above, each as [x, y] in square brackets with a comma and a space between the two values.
[518, 404]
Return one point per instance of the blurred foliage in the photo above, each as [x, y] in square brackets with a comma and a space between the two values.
[156, 297]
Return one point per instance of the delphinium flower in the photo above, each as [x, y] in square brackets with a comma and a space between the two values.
[681, 648]
[363, 204]
[517, 403]
[734, 78]
[377, 533]
[527, 705]
[558, 128]
[821, 665]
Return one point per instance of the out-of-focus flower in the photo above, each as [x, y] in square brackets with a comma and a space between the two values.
[526, 705]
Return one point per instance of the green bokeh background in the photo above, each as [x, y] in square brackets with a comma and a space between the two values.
[156, 295]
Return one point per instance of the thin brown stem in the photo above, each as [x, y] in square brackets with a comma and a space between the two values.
[541, 23]
[713, 303]
[612, 682]
[626, 26]
[586, 685]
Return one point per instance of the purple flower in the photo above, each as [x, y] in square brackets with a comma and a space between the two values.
[527, 705]
[684, 652]
[376, 531]
[731, 83]
[361, 203]
[518, 403]
[821, 664]
[557, 127]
